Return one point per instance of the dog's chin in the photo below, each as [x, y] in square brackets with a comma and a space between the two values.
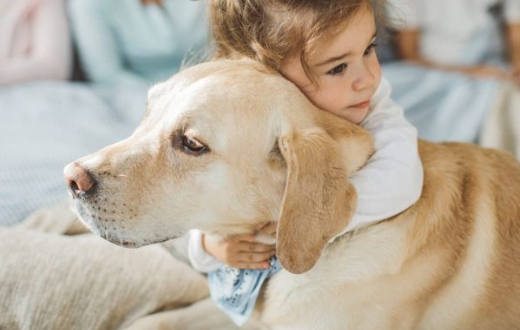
[114, 231]
[132, 244]
[124, 239]
[125, 244]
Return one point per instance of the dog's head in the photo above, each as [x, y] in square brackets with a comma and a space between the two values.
[224, 147]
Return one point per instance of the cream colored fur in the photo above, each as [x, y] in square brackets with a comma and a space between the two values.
[451, 261]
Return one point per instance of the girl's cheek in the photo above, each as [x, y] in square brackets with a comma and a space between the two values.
[376, 68]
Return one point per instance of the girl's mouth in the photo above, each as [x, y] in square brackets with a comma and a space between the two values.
[361, 105]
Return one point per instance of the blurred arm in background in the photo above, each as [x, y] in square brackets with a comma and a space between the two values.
[514, 45]
[512, 16]
[34, 41]
[408, 50]
[409, 38]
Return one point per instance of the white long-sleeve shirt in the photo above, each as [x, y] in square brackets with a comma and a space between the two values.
[34, 41]
[388, 184]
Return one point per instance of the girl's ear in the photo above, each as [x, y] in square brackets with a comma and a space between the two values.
[318, 201]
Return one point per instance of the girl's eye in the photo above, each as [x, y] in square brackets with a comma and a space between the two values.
[193, 146]
[338, 70]
[370, 48]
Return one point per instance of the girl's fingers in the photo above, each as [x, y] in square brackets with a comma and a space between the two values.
[255, 257]
[254, 247]
[245, 238]
[269, 229]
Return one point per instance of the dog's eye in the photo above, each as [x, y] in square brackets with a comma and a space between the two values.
[193, 146]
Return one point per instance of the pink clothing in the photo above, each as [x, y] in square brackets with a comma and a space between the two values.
[34, 41]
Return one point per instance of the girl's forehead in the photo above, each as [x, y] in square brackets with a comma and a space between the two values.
[351, 38]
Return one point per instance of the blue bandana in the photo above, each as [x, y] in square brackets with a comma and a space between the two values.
[235, 290]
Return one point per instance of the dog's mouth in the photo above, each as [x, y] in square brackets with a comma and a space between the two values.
[107, 230]
[113, 231]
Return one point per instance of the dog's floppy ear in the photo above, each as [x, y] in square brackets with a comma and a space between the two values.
[318, 201]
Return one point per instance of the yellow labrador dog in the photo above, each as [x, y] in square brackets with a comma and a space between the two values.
[226, 145]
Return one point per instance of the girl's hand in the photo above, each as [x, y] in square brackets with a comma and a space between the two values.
[242, 251]
[269, 229]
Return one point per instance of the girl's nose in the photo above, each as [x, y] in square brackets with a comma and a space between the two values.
[365, 78]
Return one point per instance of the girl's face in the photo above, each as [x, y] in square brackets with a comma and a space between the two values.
[346, 67]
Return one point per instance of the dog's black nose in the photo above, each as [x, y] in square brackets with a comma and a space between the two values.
[78, 179]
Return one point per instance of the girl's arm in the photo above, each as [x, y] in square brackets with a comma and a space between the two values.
[392, 179]
[201, 260]
[98, 49]
[51, 53]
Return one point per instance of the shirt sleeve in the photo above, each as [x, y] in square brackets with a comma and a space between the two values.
[200, 259]
[392, 179]
[403, 14]
[512, 11]
[97, 45]
[51, 51]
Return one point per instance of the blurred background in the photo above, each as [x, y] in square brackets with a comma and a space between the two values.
[74, 76]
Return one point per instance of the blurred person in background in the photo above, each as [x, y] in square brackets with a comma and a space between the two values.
[127, 44]
[474, 48]
[472, 37]
[34, 41]
[136, 42]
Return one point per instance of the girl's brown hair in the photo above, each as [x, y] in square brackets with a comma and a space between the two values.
[271, 30]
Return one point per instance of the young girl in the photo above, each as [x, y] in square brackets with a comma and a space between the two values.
[327, 49]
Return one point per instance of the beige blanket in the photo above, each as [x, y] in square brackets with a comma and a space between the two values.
[49, 281]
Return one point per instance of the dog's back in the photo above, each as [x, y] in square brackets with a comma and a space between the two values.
[451, 261]
[470, 209]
